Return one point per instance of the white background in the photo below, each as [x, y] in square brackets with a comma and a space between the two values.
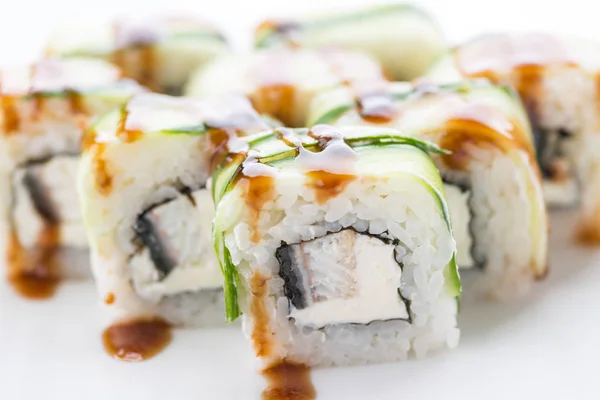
[546, 346]
[25, 23]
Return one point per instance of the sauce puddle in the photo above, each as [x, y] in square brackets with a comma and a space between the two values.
[137, 340]
[288, 381]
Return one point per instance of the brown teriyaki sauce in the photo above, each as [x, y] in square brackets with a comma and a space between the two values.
[324, 145]
[528, 58]
[288, 381]
[331, 148]
[135, 52]
[137, 340]
[285, 380]
[41, 76]
[277, 100]
[35, 273]
[376, 107]
[480, 126]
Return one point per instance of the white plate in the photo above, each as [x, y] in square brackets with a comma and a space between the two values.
[543, 347]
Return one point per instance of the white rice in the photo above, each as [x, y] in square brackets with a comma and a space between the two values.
[503, 218]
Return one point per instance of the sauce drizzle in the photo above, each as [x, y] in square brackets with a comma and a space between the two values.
[261, 333]
[103, 178]
[377, 107]
[277, 100]
[521, 61]
[10, 114]
[123, 133]
[333, 153]
[286, 380]
[327, 185]
[35, 273]
[479, 126]
[134, 51]
[588, 228]
[136, 340]
[258, 190]
[109, 298]
[76, 102]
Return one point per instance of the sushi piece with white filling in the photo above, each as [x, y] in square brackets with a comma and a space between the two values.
[147, 208]
[402, 37]
[336, 246]
[491, 178]
[282, 82]
[557, 78]
[159, 53]
[44, 108]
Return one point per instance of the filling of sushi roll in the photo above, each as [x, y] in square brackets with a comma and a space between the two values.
[552, 146]
[173, 238]
[343, 277]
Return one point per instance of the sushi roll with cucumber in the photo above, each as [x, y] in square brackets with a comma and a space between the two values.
[491, 178]
[44, 108]
[402, 37]
[159, 53]
[282, 82]
[336, 246]
[557, 79]
[147, 207]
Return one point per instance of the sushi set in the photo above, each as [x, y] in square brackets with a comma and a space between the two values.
[340, 194]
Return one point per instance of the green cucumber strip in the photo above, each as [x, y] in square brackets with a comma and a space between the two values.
[271, 35]
[382, 140]
[232, 309]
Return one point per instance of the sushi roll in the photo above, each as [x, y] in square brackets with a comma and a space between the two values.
[336, 246]
[557, 79]
[44, 108]
[159, 53]
[147, 208]
[282, 82]
[491, 179]
[404, 39]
